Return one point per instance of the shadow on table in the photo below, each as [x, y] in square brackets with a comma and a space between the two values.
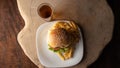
[110, 57]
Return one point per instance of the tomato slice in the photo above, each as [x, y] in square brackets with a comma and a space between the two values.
[57, 48]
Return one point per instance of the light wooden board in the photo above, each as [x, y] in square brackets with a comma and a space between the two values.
[93, 16]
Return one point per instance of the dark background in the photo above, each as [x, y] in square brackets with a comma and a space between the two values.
[12, 56]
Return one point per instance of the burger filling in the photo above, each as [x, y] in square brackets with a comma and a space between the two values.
[58, 49]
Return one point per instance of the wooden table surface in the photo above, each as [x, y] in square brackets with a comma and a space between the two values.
[12, 56]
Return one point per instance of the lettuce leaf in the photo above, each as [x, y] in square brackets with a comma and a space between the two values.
[61, 50]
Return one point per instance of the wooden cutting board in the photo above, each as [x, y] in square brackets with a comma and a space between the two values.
[93, 16]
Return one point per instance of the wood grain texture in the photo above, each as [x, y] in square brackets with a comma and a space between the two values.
[12, 56]
[94, 17]
[110, 57]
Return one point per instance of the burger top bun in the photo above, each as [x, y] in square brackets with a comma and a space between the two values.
[59, 37]
[63, 34]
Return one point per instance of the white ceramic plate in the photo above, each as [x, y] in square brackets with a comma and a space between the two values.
[50, 59]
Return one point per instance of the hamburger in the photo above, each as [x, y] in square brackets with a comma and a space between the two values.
[62, 38]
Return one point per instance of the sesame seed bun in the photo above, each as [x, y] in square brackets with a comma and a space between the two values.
[63, 34]
[59, 38]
